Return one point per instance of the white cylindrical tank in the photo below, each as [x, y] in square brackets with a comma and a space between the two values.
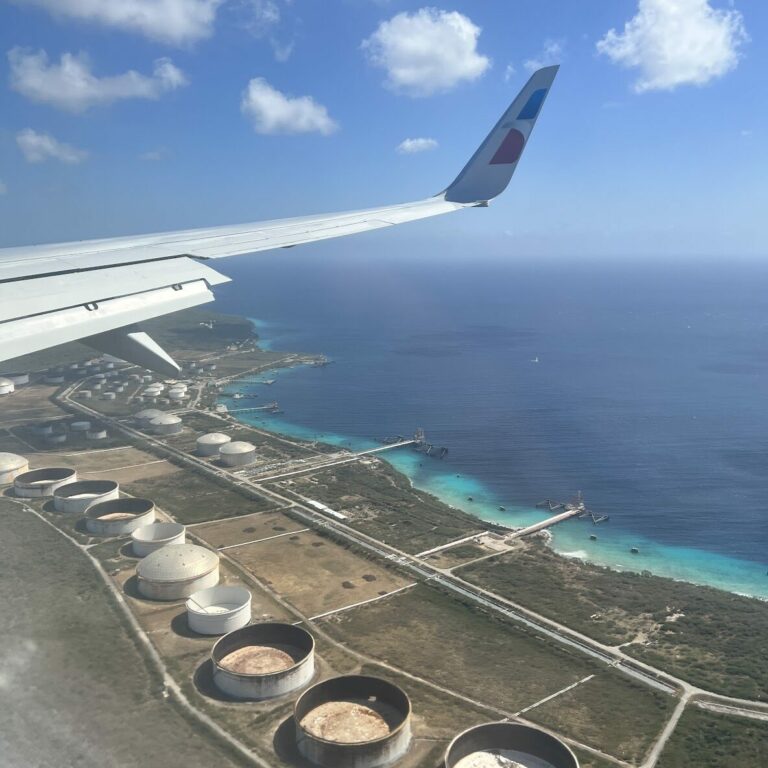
[96, 433]
[18, 379]
[86, 394]
[210, 444]
[11, 466]
[145, 416]
[80, 426]
[57, 437]
[148, 538]
[42, 482]
[218, 610]
[177, 394]
[177, 571]
[119, 517]
[109, 396]
[167, 424]
[77, 497]
[6, 386]
[263, 660]
[237, 453]
[54, 380]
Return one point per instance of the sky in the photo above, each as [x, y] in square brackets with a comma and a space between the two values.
[132, 116]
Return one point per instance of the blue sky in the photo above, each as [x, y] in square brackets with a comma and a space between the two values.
[652, 143]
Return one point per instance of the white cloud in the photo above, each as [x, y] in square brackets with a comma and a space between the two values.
[411, 146]
[273, 112]
[178, 22]
[39, 147]
[261, 16]
[3, 188]
[427, 51]
[72, 86]
[677, 42]
[551, 53]
[509, 72]
[153, 155]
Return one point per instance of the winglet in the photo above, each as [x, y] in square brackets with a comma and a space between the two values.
[490, 169]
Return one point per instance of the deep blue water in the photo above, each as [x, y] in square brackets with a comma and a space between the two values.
[649, 393]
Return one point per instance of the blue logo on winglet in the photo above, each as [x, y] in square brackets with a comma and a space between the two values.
[533, 105]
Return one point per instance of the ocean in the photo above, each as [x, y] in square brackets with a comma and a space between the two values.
[642, 384]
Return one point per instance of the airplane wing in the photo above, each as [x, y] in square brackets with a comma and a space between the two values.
[97, 291]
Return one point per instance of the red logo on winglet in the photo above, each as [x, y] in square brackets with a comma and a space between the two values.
[510, 149]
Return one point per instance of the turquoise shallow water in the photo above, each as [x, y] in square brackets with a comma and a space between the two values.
[570, 538]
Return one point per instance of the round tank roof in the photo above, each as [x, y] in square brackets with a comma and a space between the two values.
[165, 418]
[10, 461]
[214, 438]
[177, 562]
[238, 446]
[5, 382]
[148, 413]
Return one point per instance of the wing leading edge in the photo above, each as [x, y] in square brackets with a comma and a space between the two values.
[96, 291]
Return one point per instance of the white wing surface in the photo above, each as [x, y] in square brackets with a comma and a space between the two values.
[97, 291]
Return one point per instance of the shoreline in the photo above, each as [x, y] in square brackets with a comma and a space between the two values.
[569, 539]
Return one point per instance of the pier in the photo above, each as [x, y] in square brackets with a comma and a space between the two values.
[550, 521]
[336, 462]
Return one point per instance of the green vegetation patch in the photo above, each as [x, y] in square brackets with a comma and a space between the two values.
[382, 503]
[714, 639]
[76, 685]
[710, 740]
[193, 498]
[595, 712]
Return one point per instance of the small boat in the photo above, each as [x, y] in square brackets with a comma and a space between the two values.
[635, 551]
[502, 509]
[268, 381]
[469, 498]
[593, 537]
[535, 360]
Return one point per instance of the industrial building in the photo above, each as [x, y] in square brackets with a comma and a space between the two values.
[520, 744]
[149, 538]
[6, 386]
[353, 721]
[262, 661]
[210, 444]
[77, 497]
[219, 610]
[42, 482]
[166, 424]
[177, 571]
[119, 517]
[238, 453]
[11, 465]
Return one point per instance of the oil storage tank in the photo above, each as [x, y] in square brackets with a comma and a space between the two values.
[167, 424]
[119, 517]
[11, 465]
[210, 444]
[177, 571]
[237, 453]
[6, 386]
[146, 416]
[264, 660]
[42, 482]
[148, 538]
[504, 743]
[77, 497]
[219, 610]
[353, 721]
